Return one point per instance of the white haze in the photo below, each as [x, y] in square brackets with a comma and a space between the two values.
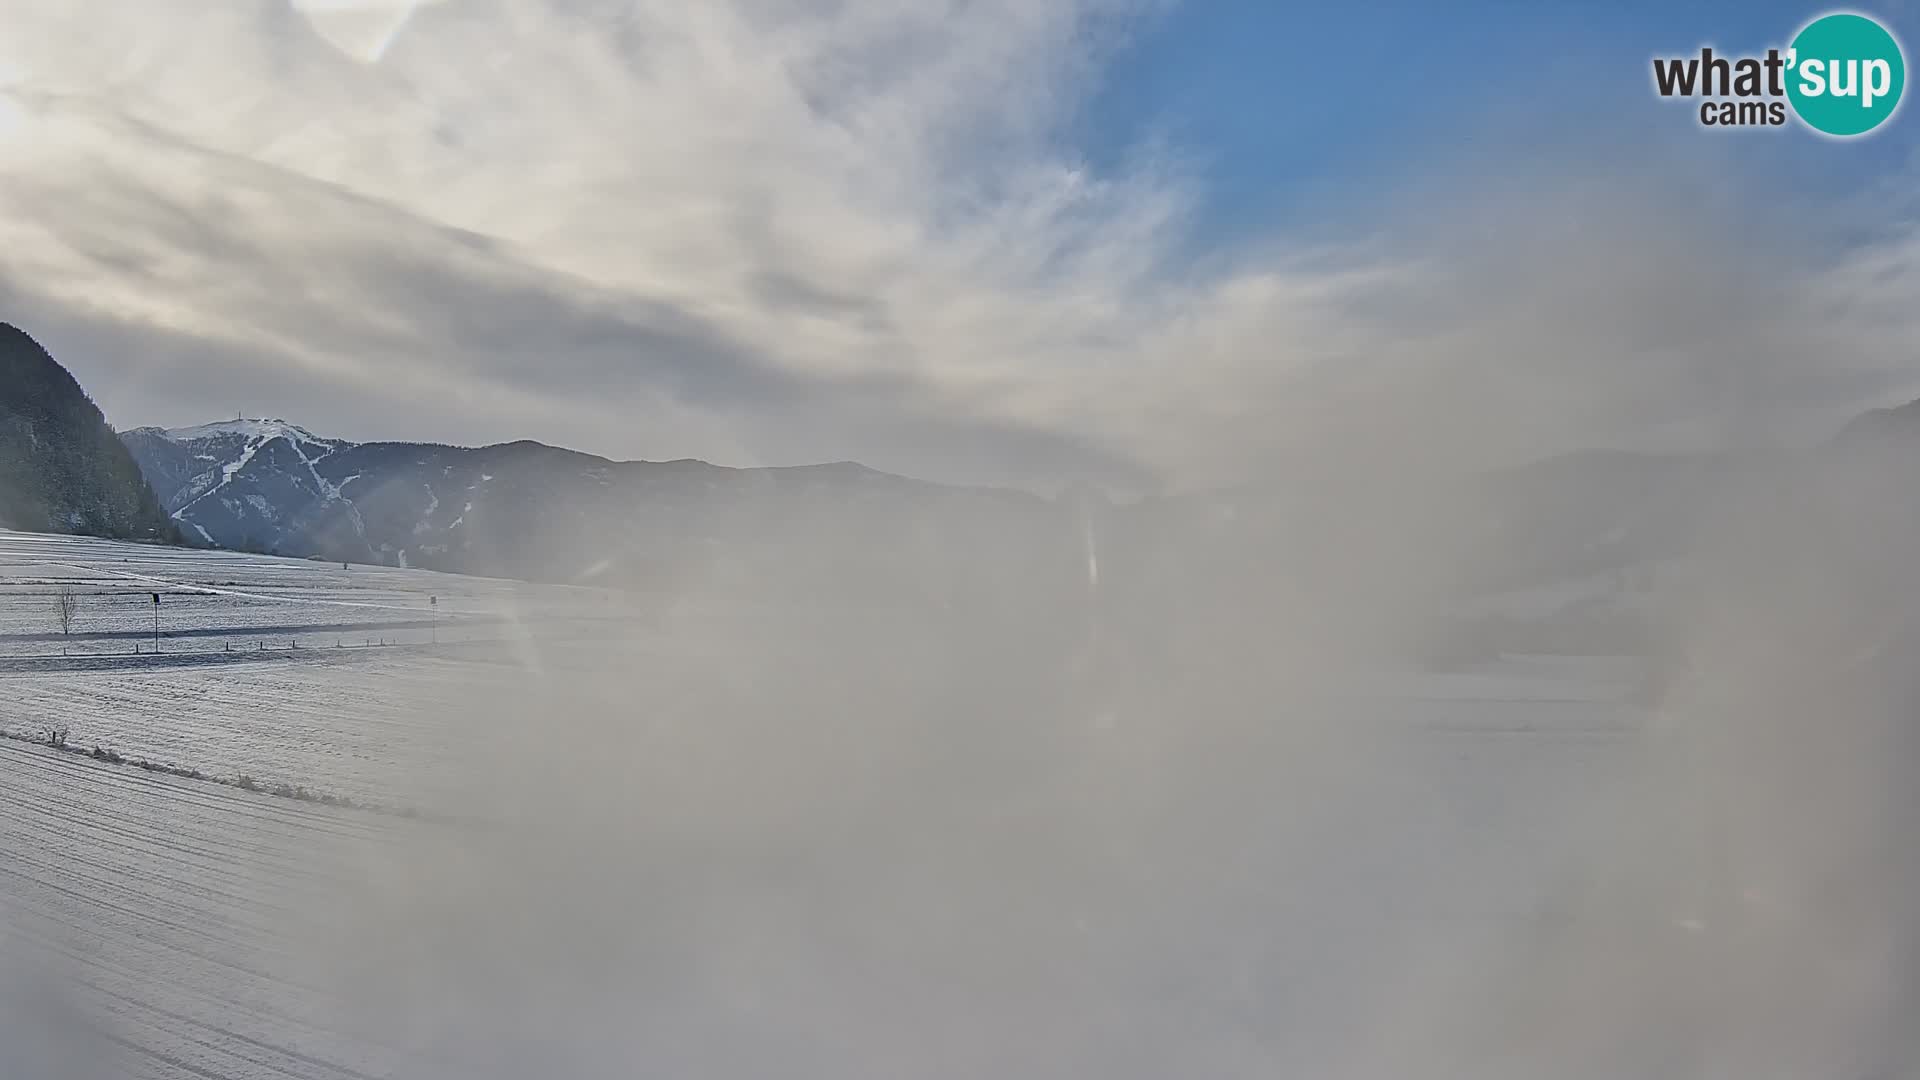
[1180, 830]
[1173, 824]
[1154, 826]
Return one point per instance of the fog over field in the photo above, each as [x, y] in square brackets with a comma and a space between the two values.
[1198, 814]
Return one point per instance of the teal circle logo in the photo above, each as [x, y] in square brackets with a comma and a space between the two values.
[1845, 74]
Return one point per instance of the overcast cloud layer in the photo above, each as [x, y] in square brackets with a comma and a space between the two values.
[766, 233]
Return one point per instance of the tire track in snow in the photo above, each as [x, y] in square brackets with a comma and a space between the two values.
[175, 910]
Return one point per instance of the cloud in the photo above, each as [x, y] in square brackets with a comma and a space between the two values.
[363, 29]
[717, 210]
[772, 232]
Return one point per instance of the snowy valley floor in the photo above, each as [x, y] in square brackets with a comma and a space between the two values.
[1483, 857]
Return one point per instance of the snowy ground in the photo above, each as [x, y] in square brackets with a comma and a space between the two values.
[282, 670]
[214, 601]
[167, 908]
[194, 930]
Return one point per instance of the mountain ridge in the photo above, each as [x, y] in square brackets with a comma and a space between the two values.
[62, 469]
[519, 509]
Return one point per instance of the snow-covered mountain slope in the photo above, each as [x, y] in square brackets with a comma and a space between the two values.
[244, 484]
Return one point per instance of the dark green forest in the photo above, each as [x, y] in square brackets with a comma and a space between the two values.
[62, 468]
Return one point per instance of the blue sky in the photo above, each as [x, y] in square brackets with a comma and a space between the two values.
[1297, 111]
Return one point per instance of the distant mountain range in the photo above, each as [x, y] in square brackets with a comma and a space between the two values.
[533, 511]
[1572, 552]
[61, 469]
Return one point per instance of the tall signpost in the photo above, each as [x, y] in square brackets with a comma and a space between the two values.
[156, 621]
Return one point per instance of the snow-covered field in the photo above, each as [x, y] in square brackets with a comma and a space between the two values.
[157, 914]
[281, 670]
[179, 928]
[164, 910]
[216, 601]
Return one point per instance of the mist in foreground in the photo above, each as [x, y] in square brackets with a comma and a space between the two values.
[1223, 790]
[1451, 624]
